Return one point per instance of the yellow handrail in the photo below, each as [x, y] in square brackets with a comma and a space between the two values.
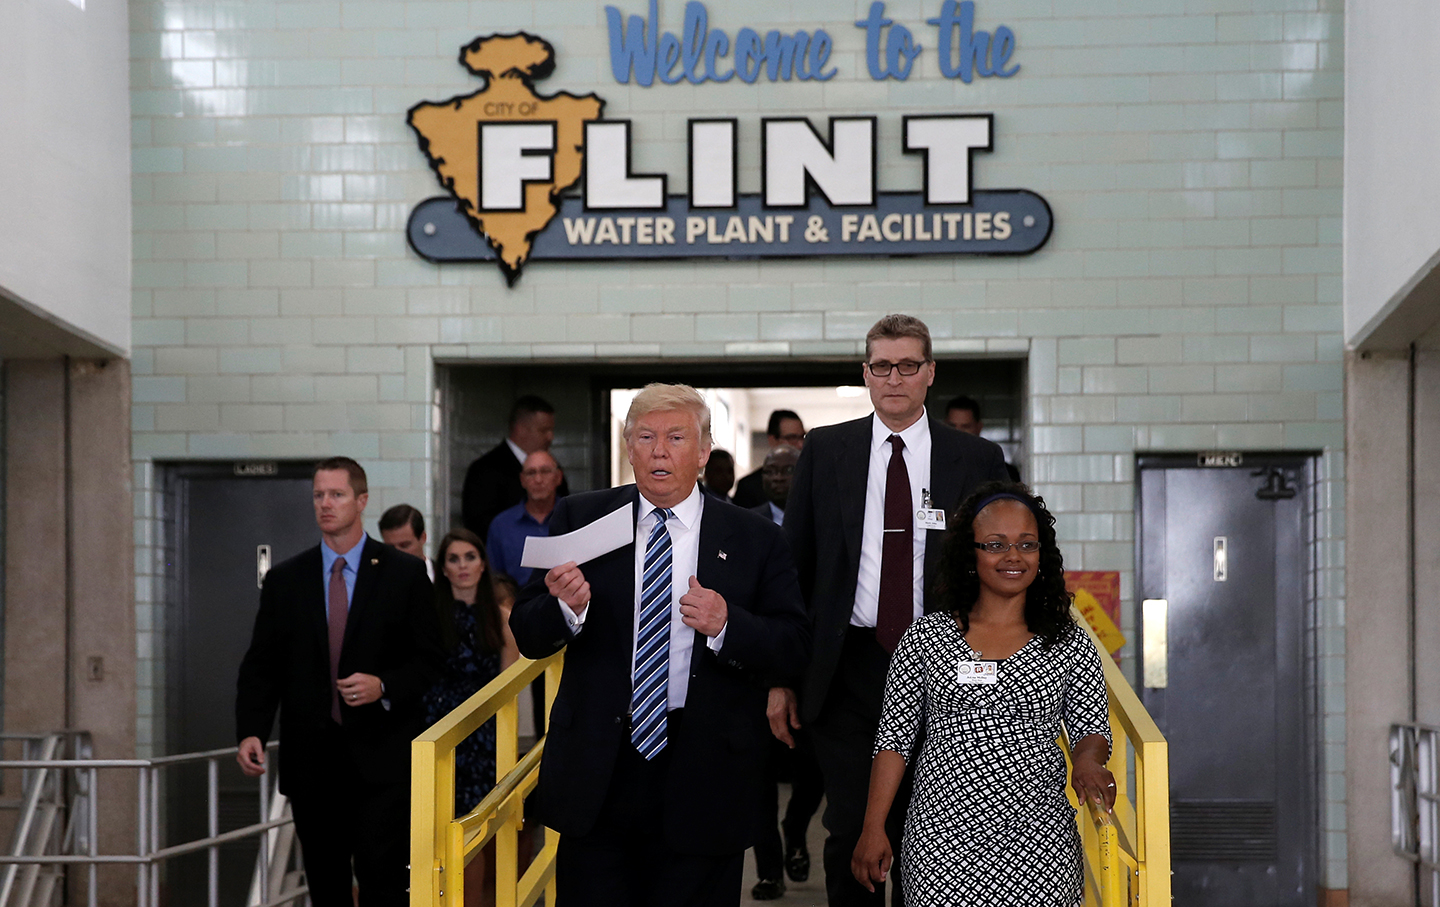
[1127, 856]
[441, 843]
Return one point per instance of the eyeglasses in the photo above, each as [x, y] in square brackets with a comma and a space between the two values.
[1029, 546]
[795, 437]
[541, 471]
[906, 367]
[777, 470]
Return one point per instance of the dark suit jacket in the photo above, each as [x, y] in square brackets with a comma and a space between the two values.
[492, 484]
[391, 631]
[712, 793]
[750, 490]
[825, 514]
[763, 510]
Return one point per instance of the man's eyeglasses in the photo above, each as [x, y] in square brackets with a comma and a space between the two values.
[777, 470]
[906, 367]
[795, 437]
[541, 471]
[1029, 546]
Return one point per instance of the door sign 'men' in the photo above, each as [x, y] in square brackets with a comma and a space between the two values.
[505, 154]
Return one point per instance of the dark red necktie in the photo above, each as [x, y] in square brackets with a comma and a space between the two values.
[339, 610]
[897, 553]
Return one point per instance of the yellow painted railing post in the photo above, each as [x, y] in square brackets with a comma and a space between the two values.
[1127, 854]
[454, 834]
[507, 851]
[1112, 868]
[441, 843]
[1155, 838]
[452, 875]
[425, 878]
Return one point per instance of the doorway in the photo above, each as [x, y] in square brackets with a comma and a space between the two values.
[475, 401]
[1227, 668]
[227, 520]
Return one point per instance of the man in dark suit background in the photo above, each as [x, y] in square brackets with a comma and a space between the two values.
[776, 858]
[776, 472]
[657, 738]
[492, 483]
[345, 644]
[866, 566]
[784, 428]
[962, 413]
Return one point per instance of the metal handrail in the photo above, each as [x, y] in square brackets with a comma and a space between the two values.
[274, 853]
[1415, 801]
[441, 843]
[1127, 855]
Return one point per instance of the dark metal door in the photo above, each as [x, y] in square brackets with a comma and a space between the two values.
[223, 515]
[1223, 565]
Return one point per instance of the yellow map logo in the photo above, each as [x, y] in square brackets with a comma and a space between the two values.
[453, 134]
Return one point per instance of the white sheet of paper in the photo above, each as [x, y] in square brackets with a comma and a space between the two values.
[613, 530]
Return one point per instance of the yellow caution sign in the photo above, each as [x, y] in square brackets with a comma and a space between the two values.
[1099, 621]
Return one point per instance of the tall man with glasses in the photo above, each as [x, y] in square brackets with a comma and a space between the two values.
[652, 766]
[865, 520]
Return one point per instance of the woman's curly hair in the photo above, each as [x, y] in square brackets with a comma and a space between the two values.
[1047, 603]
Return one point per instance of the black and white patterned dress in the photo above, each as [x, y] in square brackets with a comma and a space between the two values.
[989, 823]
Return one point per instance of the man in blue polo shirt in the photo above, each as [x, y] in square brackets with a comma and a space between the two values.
[540, 476]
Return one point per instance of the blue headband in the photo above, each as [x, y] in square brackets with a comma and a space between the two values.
[986, 502]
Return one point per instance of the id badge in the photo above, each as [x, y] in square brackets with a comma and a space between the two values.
[927, 518]
[977, 672]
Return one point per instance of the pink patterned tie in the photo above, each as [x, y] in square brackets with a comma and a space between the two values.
[339, 610]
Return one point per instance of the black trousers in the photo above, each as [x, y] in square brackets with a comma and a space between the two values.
[844, 737]
[626, 860]
[341, 819]
[806, 790]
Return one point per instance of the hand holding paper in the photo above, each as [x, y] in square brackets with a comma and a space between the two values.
[568, 584]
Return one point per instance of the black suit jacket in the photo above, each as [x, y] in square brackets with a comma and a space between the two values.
[492, 484]
[750, 490]
[824, 518]
[711, 795]
[391, 631]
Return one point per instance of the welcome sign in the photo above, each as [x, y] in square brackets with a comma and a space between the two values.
[506, 155]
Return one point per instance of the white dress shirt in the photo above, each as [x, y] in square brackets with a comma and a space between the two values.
[776, 514]
[684, 529]
[872, 534]
[515, 449]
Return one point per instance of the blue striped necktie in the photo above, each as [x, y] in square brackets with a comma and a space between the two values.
[649, 699]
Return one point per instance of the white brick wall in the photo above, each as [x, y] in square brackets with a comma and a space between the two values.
[1188, 298]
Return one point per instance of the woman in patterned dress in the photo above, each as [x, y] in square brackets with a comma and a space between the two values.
[983, 689]
[475, 628]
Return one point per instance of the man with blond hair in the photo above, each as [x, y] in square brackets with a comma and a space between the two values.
[652, 767]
